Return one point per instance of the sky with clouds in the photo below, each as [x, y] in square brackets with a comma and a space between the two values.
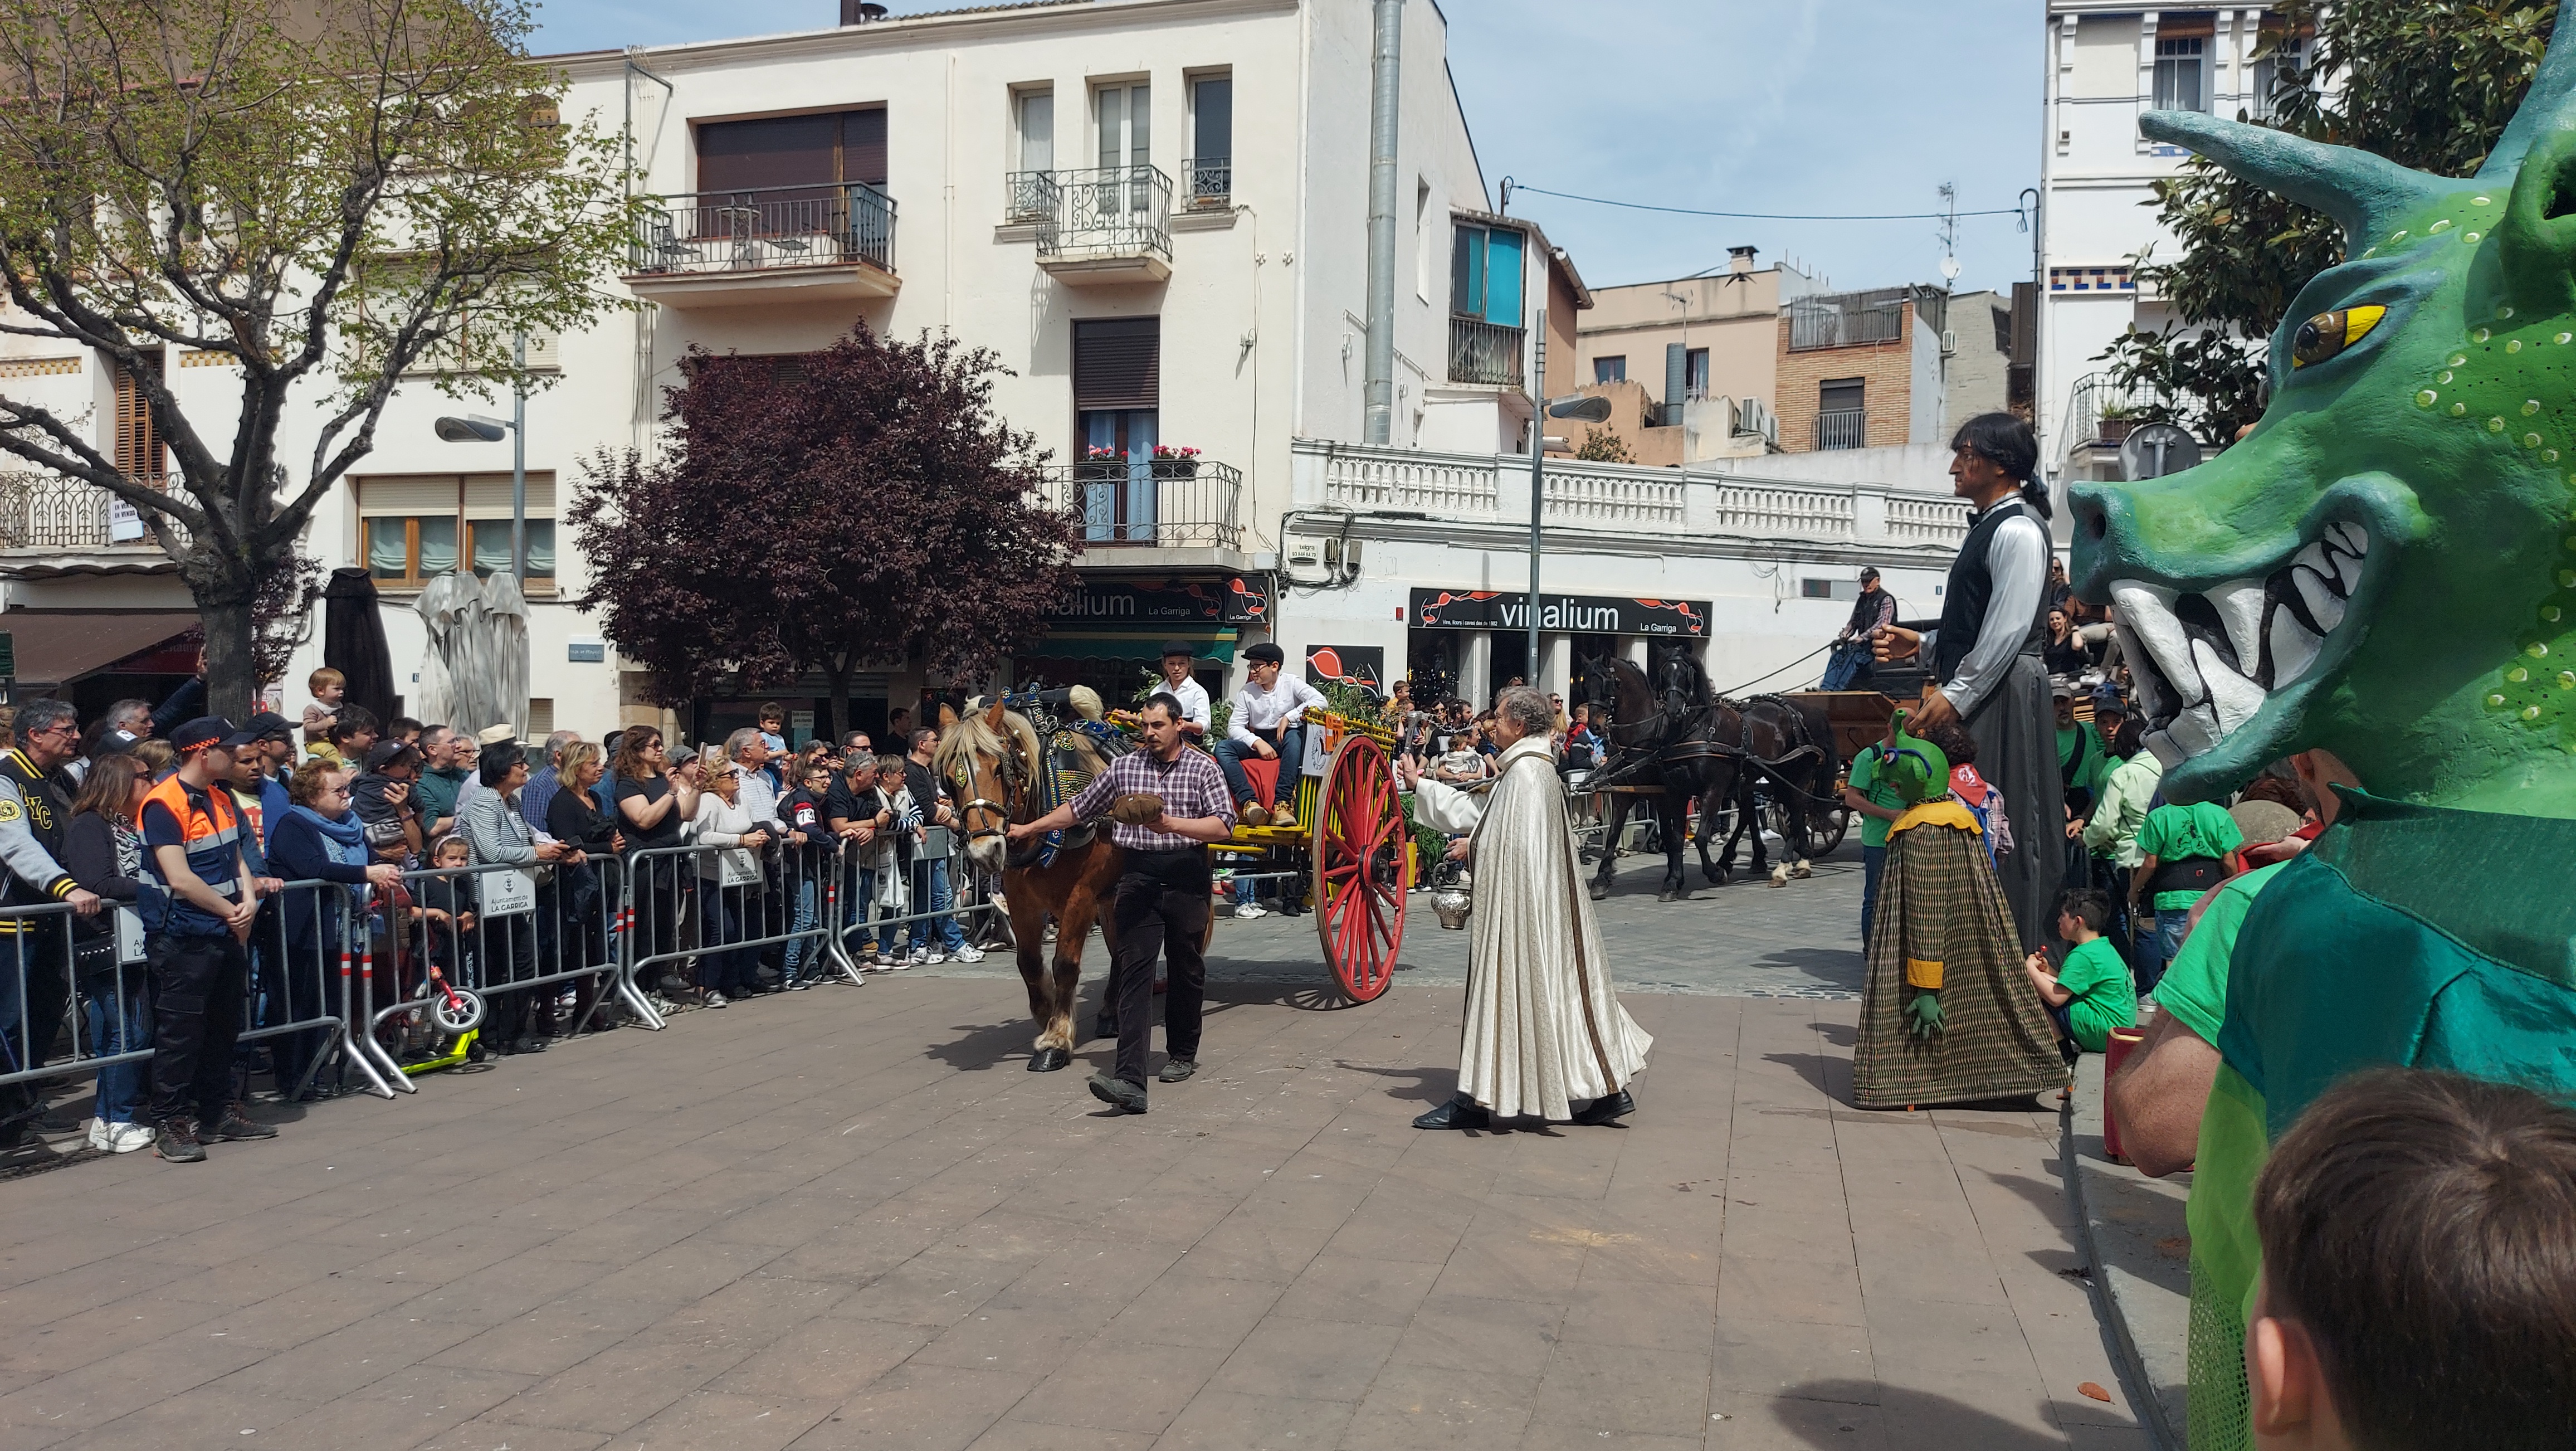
[1805, 107]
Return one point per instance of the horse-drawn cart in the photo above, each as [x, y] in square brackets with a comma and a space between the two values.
[1351, 843]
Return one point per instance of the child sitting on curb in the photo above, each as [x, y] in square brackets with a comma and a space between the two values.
[2091, 994]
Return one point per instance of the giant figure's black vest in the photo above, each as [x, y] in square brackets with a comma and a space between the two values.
[1972, 585]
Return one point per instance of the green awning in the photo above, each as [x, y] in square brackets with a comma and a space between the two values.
[1212, 643]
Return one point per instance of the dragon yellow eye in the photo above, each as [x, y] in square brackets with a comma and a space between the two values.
[2329, 333]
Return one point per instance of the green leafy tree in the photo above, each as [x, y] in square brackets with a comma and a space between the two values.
[325, 194]
[1601, 446]
[2429, 84]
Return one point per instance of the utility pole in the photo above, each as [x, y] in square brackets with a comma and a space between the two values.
[1538, 474]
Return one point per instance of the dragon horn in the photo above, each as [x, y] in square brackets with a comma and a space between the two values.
[2553, 88]
[2362, 192]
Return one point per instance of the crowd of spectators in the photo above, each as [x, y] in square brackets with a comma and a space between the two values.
[181, 882]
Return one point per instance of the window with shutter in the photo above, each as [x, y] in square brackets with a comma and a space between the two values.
[418, 526]
[1117, 363]
[139, 454]
[794, 151]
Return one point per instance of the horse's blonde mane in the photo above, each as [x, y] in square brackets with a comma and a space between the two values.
[971, 736]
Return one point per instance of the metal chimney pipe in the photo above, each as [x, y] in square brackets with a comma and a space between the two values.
[1378, 395]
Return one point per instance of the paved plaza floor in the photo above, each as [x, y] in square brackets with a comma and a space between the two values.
[849, 1218]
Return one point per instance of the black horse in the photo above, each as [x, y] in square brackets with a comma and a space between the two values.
[1683, 746]
[1788, 763]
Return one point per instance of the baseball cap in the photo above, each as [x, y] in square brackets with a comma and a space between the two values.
[2107, 697]
[2061, 690]
[268, 725]
[204, 731]
[114, 743]
[382, 753]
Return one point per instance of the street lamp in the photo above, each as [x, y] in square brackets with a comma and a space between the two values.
[1593, 409]
[475, 428]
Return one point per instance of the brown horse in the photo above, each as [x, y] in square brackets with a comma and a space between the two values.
[993, 761]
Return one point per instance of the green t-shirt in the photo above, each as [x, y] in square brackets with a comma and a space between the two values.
[438, 788]
[2071, 739]
[2180, 833]
[2194, 987]
[1878, 791]
[2104, 996]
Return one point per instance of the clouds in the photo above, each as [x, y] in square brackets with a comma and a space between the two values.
[1804, 106]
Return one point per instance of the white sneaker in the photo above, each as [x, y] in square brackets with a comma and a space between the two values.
[969, 953]
[920, 958]
[933, 958]
[1246, 911]
[715, 1000]
[98, 1133]
[126, 1138]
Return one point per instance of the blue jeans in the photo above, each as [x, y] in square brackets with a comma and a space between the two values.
[858, 886]
[1850, 668]
[799, 948]
[1873, 862]
[120, 1086]
[945, 930]
[2160, 946]
[1231, 754]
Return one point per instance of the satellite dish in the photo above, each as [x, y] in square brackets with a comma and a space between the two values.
[1950, 269]
[2153, 450]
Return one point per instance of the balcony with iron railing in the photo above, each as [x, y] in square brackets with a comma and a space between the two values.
[1486, 352]
[50, 514]
[1842, 428]
[1207, 184]
[1184, 502]
[1100, 226]
[723, 249]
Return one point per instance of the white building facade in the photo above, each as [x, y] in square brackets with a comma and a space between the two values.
[1156, 213]
[2106, 63]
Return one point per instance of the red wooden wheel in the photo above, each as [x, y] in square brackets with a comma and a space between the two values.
[1360, 872]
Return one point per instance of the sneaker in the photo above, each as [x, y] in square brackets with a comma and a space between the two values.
[237, 1126]
[1253, 813]
[1284, 819]
[177, 1141]
[800, 985]
[968, 953]
[1118, 1093]
[919, 957]
[715, 999]
[98, 1133]
[1177, 1069]
[126, 1138]
[933, 958]
[1245, 911]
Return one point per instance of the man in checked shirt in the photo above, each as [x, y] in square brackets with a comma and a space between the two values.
[1162, 904]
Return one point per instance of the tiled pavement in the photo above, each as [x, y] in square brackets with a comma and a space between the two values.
[849, 1218]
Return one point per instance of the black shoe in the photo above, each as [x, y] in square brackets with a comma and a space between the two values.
[1457, 1113]
[1603, 1110]
[177, 1141]
[1118, 1093]
[1103, 1026]
[529, 1044]
[236, 1125]
[1176, 1069]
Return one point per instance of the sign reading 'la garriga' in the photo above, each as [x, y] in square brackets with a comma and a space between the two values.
[1443, 609]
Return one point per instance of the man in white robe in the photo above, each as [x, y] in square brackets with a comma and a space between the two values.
[1544, 1029]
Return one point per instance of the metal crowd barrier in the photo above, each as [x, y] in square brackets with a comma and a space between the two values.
[65, 985]
[368, 965]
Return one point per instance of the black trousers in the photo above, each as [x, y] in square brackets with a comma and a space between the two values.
[1161, 911]
[197, 988]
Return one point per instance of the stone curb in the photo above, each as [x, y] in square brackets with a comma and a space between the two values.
[2136, 1239]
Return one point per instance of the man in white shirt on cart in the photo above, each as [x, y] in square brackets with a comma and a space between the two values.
[1268, 723]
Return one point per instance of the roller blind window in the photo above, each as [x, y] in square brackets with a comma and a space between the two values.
[1117, 363]
[795, 151]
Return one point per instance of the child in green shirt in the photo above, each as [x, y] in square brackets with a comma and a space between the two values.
[2091, 994]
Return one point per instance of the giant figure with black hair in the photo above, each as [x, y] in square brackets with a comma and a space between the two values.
[1985, 656]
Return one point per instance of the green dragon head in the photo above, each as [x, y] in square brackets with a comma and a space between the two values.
[2386, 566]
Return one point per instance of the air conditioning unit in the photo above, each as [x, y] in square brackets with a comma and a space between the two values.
[1949, 343]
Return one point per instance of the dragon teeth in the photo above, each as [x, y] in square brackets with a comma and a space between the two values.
[2234, 697]
[2147, 609]
[2324, 605]
[2195, 730]
[2239, 603]
[2294, 649]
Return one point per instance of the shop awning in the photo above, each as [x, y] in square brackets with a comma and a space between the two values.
[1095, 644]
[53, 648]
